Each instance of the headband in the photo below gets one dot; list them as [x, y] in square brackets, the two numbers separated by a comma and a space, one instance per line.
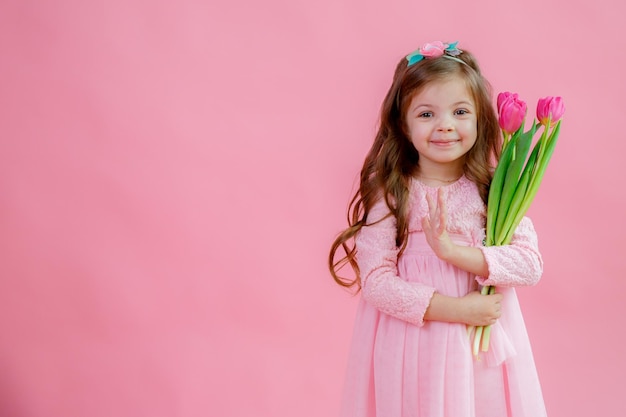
[435, 50]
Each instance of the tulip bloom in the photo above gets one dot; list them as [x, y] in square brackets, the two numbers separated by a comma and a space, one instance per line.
[511, 112]
[550, 110]
[502, 97]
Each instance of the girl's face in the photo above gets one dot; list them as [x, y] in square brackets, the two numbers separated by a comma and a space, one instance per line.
[442, 124]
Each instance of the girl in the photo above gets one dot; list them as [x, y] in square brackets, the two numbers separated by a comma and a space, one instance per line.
[418, 221]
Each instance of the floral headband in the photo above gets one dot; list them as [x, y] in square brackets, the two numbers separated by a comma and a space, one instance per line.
[435, 50]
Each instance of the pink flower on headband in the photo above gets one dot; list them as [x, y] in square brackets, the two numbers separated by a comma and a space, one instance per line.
[433, 49]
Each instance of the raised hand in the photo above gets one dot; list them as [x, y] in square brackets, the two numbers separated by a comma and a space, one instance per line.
[434, 226]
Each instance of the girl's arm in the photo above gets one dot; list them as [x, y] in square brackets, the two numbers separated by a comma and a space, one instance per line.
[473, 309]
[516, 264]
[377, 257]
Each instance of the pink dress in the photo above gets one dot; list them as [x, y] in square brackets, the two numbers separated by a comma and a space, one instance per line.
[402, 366]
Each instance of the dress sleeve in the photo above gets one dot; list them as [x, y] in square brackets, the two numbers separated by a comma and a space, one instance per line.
[516, 264]
[377, 258]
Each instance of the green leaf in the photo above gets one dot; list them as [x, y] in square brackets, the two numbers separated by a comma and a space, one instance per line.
[521, 147]
[495, 191]
[509, 225]
[540, 168]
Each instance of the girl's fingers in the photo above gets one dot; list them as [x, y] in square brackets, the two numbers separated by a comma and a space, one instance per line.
[440, 197]
[431, 206]
[441, 206]
[425, 224]
[437, 212]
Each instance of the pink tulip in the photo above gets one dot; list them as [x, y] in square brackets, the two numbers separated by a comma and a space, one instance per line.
[511, 112]
[503, 97]
[550, 110]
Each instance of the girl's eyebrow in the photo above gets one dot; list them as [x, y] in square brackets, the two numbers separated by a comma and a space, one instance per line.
[465, 102]
[420, 105]
[458, 103]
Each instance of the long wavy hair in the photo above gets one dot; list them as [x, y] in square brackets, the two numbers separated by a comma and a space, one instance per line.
[392, 160]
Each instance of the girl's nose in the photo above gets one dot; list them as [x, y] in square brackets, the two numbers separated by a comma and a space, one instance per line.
[445, 125]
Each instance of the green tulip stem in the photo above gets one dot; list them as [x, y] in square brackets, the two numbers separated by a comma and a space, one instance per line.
[543, 139]
[506, 137]
[470, 329]
[477, 336]
[482, 332]
[542, 146]
[486, 338]
[487, 329]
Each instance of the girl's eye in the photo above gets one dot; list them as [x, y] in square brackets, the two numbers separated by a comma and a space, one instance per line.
[461, 112]
[425, 114]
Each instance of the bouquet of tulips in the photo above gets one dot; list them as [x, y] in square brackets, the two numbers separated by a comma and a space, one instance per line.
[517, 176]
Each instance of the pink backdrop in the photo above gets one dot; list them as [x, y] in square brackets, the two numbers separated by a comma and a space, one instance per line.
[172, 174]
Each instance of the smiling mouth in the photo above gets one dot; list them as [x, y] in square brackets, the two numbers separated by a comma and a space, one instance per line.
[444, 142]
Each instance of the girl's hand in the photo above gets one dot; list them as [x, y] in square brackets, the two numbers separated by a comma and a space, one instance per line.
[434, 226]
[481, 310]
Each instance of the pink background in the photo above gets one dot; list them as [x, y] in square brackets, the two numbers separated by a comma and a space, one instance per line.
[173, 173]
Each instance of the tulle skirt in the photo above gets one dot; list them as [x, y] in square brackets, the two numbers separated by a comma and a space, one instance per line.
[397, 369]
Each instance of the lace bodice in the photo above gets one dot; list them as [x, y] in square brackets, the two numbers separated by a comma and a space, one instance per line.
[517, 264]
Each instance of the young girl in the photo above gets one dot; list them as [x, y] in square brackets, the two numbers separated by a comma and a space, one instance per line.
[418, 222]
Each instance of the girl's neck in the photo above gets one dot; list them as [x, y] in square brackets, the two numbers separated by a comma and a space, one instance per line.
[436, 177]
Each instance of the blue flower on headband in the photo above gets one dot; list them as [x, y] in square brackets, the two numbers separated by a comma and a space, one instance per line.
[433, 50]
